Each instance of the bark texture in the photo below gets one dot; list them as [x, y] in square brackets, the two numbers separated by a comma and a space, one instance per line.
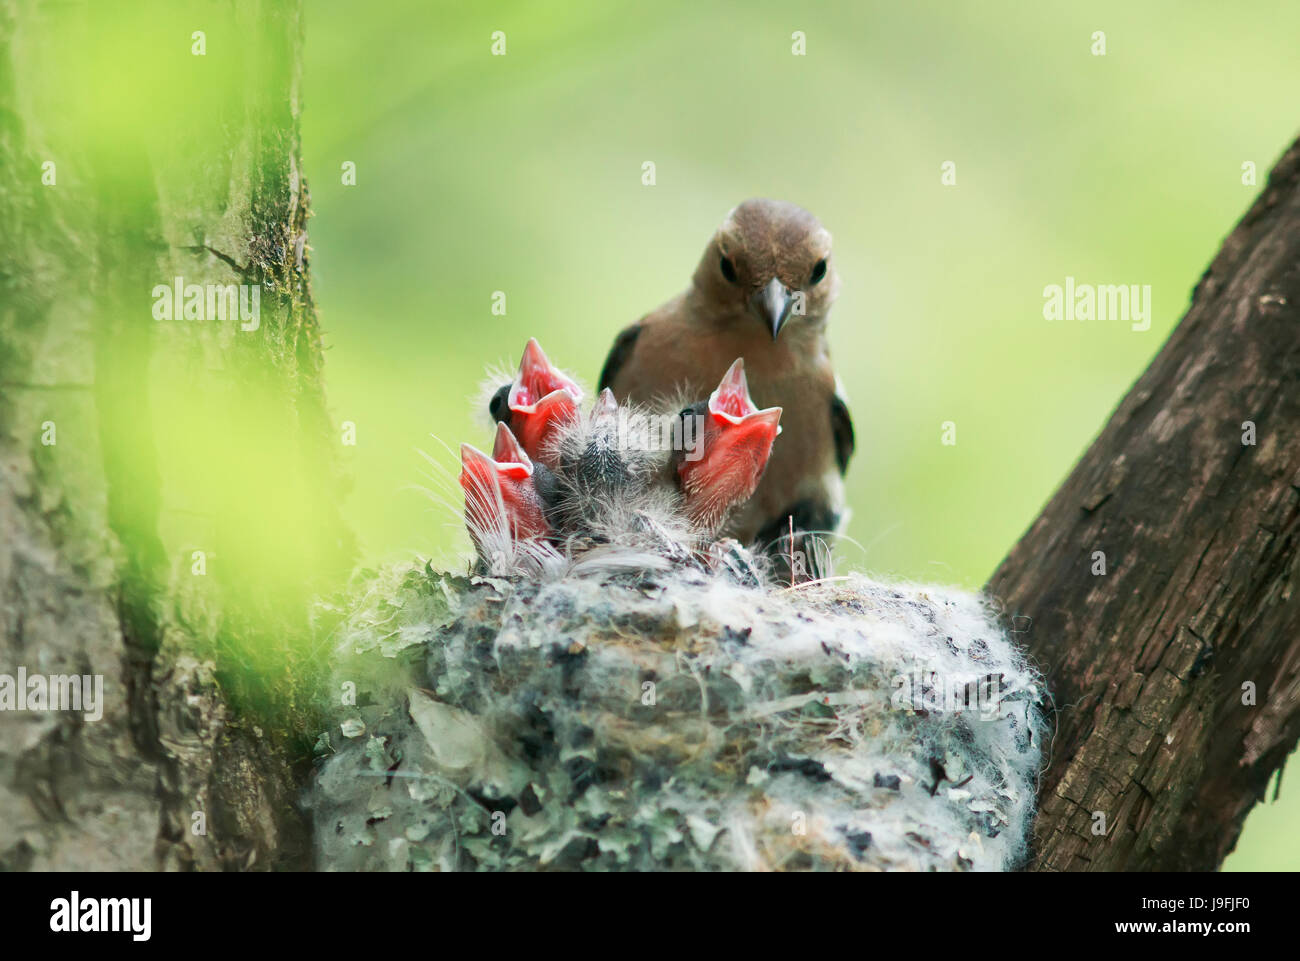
[1176, 674]
[118, 432]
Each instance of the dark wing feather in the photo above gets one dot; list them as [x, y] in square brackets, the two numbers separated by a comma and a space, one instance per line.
[618, 355]
[842, 430]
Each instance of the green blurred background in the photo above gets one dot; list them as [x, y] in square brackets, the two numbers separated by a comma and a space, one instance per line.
[522, 173]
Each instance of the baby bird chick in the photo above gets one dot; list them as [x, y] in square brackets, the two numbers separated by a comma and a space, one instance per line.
[537, 401]
[606, 476]
[503, 506]
[737, 443]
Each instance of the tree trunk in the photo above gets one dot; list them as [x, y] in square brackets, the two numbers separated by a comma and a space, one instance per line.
[166, 485]
[1175, 673]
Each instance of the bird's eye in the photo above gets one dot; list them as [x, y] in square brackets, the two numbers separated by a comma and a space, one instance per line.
[728, 270]
[819, 271]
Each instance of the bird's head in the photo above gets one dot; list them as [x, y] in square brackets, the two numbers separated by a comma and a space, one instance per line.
[600, 457]
[736, 444]
[539, 400]
[501, 501]
[769, 262]
[606, 486]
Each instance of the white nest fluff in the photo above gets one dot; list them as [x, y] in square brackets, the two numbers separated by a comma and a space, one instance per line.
[680, 719]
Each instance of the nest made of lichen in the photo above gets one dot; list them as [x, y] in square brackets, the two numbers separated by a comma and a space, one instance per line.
[674, 720]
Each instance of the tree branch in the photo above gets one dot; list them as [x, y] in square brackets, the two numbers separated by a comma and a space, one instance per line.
[1152, 664]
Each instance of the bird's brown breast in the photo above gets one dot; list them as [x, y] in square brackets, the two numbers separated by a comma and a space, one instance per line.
[793, 372]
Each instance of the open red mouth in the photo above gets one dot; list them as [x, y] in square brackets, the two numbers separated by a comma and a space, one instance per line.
[499, 492]
[509, 454]
[731, 400]
[536, 379]
[730, 403]
[541, 399]
[737, 445]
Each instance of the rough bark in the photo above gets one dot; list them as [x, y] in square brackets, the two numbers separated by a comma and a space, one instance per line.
[167, 164]
[1151, 663]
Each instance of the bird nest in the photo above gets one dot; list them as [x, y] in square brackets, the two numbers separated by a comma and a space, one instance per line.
[682, 719]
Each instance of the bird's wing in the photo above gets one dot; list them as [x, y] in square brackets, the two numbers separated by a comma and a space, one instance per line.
[619, 355]
[842, 431]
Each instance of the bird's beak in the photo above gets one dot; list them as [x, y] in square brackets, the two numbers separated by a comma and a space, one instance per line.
[536, 378]
[540, 398]
[773, 305]
[606, 404]
[736, 450]
[537, 425]
[499, 497]
[731, 401]
[506, 450]
[488, 471]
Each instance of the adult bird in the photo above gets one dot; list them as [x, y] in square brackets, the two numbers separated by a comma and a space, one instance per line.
[762, 292]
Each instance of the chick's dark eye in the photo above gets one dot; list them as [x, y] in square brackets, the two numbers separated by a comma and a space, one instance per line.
[819, 271]
[728, 270]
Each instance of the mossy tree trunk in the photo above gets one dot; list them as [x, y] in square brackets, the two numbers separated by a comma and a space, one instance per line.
[167, 489]
[1176, 673]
